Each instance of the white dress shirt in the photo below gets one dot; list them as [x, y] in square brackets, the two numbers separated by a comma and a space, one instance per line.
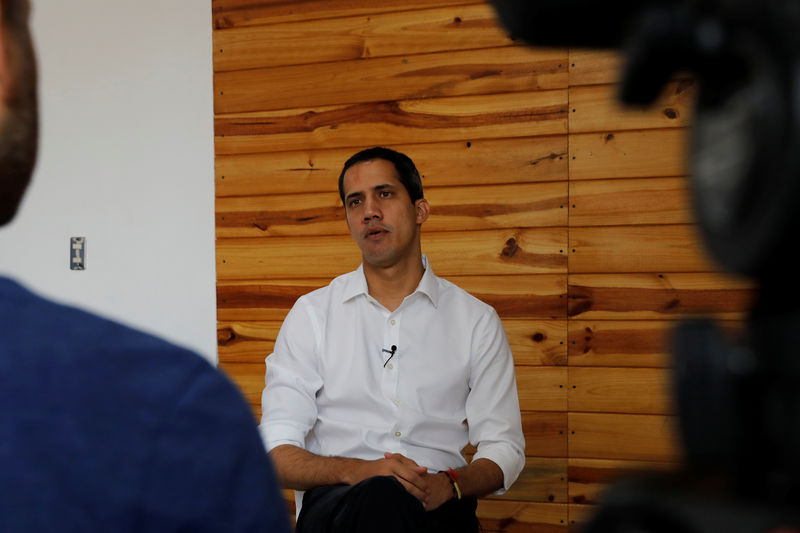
[333, 389]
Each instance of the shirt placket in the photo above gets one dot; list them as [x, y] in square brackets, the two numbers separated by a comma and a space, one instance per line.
[391, 368]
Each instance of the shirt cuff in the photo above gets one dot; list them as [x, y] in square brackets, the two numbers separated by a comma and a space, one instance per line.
[504, 455]
[274, 435]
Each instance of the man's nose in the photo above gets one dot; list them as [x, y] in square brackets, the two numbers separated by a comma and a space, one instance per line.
[371, 210]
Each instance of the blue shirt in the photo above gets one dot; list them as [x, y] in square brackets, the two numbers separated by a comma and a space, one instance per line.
[104, 428]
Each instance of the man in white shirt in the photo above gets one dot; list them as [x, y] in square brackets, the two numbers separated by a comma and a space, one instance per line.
[379, 380]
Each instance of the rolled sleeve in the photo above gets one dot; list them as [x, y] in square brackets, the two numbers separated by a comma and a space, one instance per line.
[292, 380]
[493, 414]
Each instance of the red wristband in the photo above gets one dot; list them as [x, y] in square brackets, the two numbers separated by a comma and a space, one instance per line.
[453, 477]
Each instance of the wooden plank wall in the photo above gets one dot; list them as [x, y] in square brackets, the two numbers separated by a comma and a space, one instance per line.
[564, 211]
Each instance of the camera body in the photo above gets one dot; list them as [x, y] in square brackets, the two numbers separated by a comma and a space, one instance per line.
[738, 403]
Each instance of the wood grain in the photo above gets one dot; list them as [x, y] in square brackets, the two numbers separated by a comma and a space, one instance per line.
[658, 296]
[542, 480]
[590, 478]
[535, 296]
[598, 108]
[393, 122]
[628, 343]
[656, 248]
[594, 67]
[542, 388]
[458, 73]
[623, 436]
[537, 342]
[452, 209]
[533, 342]
[471, 162]
[617, 202]
[545, 435]
[522, 517]
[620, 390]
[239, 13]
[261, 300]
[359, 37]
[523, 251]
[628, 154]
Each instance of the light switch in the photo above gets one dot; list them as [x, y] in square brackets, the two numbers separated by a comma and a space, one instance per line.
[77, 253]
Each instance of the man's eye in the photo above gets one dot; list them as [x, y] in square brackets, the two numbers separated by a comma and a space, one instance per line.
[354, 202]
[386, 194]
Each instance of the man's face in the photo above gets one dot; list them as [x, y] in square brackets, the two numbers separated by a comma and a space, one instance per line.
[18, 105]
[382, 219]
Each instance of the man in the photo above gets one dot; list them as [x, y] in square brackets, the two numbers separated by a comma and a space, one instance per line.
[103, 428]
[380, 379]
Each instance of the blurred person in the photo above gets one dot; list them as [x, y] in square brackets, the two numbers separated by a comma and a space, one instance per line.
[380, 379]
[104, 428]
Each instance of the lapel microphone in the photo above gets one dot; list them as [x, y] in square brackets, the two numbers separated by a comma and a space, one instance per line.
[391, 354]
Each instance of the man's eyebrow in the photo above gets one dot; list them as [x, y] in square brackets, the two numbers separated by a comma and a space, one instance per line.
[353, 195]
[381, 187]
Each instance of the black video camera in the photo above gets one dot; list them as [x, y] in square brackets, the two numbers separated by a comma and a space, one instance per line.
[738, 403]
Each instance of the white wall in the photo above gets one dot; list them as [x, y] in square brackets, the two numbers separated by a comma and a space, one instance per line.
[126, 160]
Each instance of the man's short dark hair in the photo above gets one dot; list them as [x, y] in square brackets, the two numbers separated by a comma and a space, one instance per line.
[406, 171]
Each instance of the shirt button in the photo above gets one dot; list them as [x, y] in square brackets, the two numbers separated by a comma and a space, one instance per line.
[392, 322]
[391, 366]
[397, 434]
[396, 401]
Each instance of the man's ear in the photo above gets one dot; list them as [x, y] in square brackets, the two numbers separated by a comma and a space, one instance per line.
[423, 209]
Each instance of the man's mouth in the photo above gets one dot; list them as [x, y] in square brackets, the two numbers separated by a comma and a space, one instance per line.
[375, 233]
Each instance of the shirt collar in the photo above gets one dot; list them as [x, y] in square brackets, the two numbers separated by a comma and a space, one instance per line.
[357, 284]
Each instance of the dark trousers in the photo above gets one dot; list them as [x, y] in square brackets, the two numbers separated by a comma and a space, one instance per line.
[381, 505]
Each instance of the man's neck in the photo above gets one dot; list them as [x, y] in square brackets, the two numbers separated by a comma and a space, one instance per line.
[390, 285]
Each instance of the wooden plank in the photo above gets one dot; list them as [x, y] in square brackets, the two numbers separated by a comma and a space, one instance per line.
[536, 296]
[537, 342]
[598, 108]
[629, 154]
[452, 209]
[475, 162]
[640, 343]
[458, 73]
[263, 300]
[394, 122]
[542, 480]
[630, 202]
[522, 517]
[661, 296]
[246, 342]
[673, 248]
[523, 251]
[542, 388]
[590, 478]
[545, 435]
[579, 515]
[623, 436]
[240, 13]
[593, 67]
[627, 343]
[249, 378]
[620, 390]
[359, 37]
[522, 296]
[539, 388]
[533, 342]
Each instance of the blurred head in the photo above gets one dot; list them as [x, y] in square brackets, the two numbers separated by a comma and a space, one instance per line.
[18, 105]
[406, 171]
